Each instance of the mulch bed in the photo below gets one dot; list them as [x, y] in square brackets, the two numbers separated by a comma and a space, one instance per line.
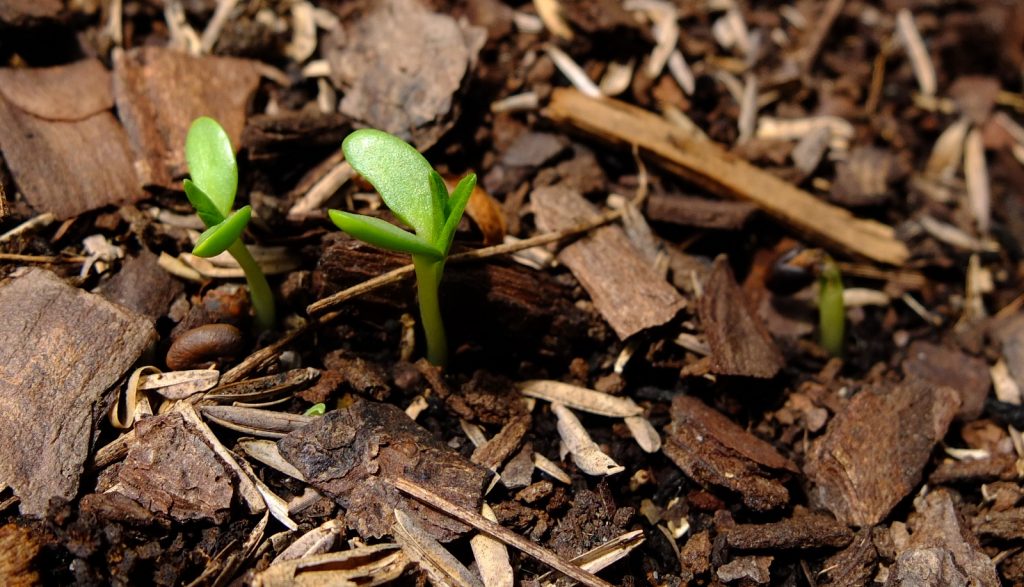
[636, 394]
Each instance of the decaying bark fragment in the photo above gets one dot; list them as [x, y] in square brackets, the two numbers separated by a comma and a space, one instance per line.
[159, 92]
[874, 451]
[61, 349]
[713, 450]
[353, 453]
[64, 147]
[624, 287]
[171, 470]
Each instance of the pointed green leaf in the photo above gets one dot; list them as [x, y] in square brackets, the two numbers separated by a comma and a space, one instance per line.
[439, 191]
[211, 162]
[204, 206]
[400, 174]
[216, 239]
[382, 234]
[457, 205]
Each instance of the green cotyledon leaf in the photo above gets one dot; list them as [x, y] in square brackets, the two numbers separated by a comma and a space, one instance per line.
[216, 239]
[211, 162]
[457, 205]
[383, 234]
[204, 206]
[402, 177]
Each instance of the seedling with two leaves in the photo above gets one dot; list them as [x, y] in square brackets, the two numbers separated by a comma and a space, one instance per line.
[211, 191]
[418, 197]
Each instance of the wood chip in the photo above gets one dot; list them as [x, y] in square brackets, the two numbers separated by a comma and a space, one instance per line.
[941, 365]
[627, 291]
[317, 541]
[572, 71]
[713, 450]
[739, 341]
[350, 455]
[143, 286]
[711, 168]
[401, 87]
[804, 530]
[585, 452]
[493, 453]
[443, 569]
[699, 212]
[873, 452]
[19, 547]
[920, 61]
[979, 192]
[266, 452]
[53, 380]
[159, 92]
[171, 470]
[65, 149]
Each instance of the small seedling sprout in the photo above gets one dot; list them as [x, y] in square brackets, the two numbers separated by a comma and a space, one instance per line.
[418, 197]
[316, 410]
[831, 310]
[211, 191]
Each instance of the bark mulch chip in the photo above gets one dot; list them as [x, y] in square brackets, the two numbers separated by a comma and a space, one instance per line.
[65, 149]
[713, 450]
[873, 452]
[61, 349]
[351, 453]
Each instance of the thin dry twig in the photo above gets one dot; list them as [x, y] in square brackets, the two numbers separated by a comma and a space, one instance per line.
[499, 532]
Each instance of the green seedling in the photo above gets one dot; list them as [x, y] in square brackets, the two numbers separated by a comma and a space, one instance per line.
[211, 191]
[831, 310]
[316, 410]
[417, 195]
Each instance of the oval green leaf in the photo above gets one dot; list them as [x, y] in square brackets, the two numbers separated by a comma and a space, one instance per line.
[216, 239]
[382, 234]
[456, 206]
[400, 174]
[211, 162]
[203, 205]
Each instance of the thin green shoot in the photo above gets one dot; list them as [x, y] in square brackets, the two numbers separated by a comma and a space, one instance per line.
[418, 197]
[211, 191]
[831, 310]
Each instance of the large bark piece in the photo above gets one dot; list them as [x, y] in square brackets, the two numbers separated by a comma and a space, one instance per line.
[625, 289]
[65, 149]
[713, 450]
[874, 451]
[711, 167]
[351, 455]
[60, 350]
[159, 92]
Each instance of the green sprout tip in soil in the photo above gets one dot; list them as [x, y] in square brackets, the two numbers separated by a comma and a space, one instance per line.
[417, 195]
[316, 410]
[211, 191]
[831, 311]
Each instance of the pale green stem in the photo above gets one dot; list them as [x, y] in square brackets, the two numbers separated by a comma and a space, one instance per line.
[428, 279]
[831, 310]
[259, 289]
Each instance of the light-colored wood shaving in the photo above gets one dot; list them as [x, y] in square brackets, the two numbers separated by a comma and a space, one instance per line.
[604, 555]
[220, 17]
[416, 407]
[492, 556]
[1005, 386]
[953, 236]
[277, 506]
[441, 566]
[527, 23]
[841, 130]
[365, 566]
[266, 452]
[920, 61]
[317, 541]
[550, 13]
[317, 196]
[644, 433]
[681, 72]
[580, 398]
[473, 432]
[585, 452]
[617, 78]
[178, 385]
[572, 71]
[546, 465]
[979, 193]
[303, 41]
[947, 153]
[748, 109]
[317, 68]
[858, 297]
[524, 102]
[132, 400]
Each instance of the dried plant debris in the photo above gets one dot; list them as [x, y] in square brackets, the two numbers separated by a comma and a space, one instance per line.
[737, 338]
[172, 471]
[65, 149]
[627, 291]
[699, 212]
[18, 550]
[713, 450]
[873, 452]
[61, 349]
[440, 566]
[159, 92]
[804, 530]
[755, 569]
[386, 64]
[941, 549]
[350, 455]
[854, 565]
[366, 566]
